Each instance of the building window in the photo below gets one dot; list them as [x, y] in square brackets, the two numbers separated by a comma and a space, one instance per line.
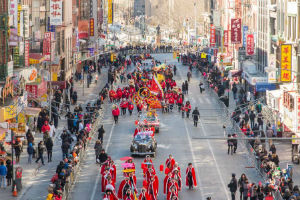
[63, 41]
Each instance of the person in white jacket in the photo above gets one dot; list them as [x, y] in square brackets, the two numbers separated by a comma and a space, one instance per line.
[52, 130]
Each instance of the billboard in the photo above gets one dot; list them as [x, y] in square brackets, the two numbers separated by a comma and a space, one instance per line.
[56, 12]
[236, 31]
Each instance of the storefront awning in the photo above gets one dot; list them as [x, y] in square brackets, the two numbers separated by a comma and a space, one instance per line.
[32, 111]
[262, 87]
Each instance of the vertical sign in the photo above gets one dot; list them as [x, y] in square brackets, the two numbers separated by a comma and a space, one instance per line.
[225, 38]
[272, 64]
[286, 63]
[212, 36]
[13, 12]
[250, 44]
[19, 19]
[47, 46]
[298, 114]
[56, 12]
[110, 12]
[27, 47]
[236, 31]
[92, 29]
[26, 20]
[245, 31]
[216, 53]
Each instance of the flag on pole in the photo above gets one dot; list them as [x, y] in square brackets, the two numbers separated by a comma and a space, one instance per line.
[155, 86]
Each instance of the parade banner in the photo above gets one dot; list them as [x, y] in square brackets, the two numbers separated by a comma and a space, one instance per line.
[245, 32]
[212, 36]
[236, 31]
[250, 44]
[225, 38]
[92, 32]
[286, 63]
[110, 12]
[47, 46]
[56, 12]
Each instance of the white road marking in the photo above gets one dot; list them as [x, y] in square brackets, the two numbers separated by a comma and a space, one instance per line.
[98, 175]
[194, 159]
[163, 146]
[213, 155]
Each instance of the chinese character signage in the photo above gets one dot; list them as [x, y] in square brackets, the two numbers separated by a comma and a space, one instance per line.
[212, 36]
[236, 31]
[47, 46]
[110, 12]
[250, 44]
[19, 19]
[245, 31]
[27, 47]
[26, 20]
[272, 74]
[92, 33]
[56, 12]
[225, 38]
[286, 63]
[83, 29]
[298, 114]
[13, 12]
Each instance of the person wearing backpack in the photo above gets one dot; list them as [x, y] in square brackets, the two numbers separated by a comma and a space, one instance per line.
[232, 186]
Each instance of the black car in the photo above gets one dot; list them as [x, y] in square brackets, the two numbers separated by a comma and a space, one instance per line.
[143, 145]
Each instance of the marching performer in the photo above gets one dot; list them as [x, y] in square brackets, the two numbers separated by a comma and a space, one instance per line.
[144, 195]
[104, 180]
[152, 188]
[109, 194]
[167, 180]
[170, 162]
[190, 179]
[124, 186]
[177, 177]
[173, 194]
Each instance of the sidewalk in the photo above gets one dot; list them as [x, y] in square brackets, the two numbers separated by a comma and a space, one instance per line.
[36, 177]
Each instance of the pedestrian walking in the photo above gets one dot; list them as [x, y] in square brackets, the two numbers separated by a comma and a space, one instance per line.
[97, 148]
[103, 157]
[101, 132]
[116, 113]
[201, 86]
[230, 144]
[52, 130]
[41, 149]
[49, 147]
[9, 174]
[65, 149]
[183, 88]
[3, 173]
[18, 149]
[190, 176]
[232, 186]
[252, 118]
[241, 183]
[196, 116]
[186, 87]
[30, 151]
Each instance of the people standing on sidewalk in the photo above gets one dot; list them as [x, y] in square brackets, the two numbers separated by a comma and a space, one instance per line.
[101, 132]
[52, 129]
[234, 91]
[241, 183]
[252, 118]
[30, 151]
[230, 144]
[18, 149]
[196, 116]
[41, 149]
[97, 148]
[9, 174]
[3, 173]
[49, 147]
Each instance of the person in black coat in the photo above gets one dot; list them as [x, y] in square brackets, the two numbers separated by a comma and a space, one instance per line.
[233, 186]
[196, 116]
[103, 156]
[9, 174]
[49, 147]
[101, 131]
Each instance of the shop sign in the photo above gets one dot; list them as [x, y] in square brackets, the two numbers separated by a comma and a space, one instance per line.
[19, 19]
[58, 85]
[286, 63]
[245, 31]
[9, 112]
[22, 102]
[36, 90]
[7, 89]
[236, 30]
[27, 48]
[272, 74]
[92, 28]
[13, 11]
[250, 45]
[83, 29]
[10, 68]
[225, 38]
[26, 20]
[56, 12]
[47, 46]
[110, 12]
[212, 36]
[298, 114]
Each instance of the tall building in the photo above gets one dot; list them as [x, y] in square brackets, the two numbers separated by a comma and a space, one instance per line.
[139, 8]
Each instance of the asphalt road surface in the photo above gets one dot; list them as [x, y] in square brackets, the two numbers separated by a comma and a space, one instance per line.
[177, 137]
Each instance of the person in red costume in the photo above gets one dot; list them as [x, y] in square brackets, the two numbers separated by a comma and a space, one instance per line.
[171, 102]
[149, 173]
[176, 166]
[144, 195]
[116, 113]
[173, 194]
[190, 179]
[128, 195]
[45, 127]
[167, 180]
[176, 175]
[104, 180]
[109, 183]
[119, 93]
[179, 102]
[124, 106]
[124, 186]
[113, 171]
[170, 162]
[109, 195]
[130, 108]
[152, 187]
[188, 108]
[112, 95]
[148, 159]
[171, 184]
